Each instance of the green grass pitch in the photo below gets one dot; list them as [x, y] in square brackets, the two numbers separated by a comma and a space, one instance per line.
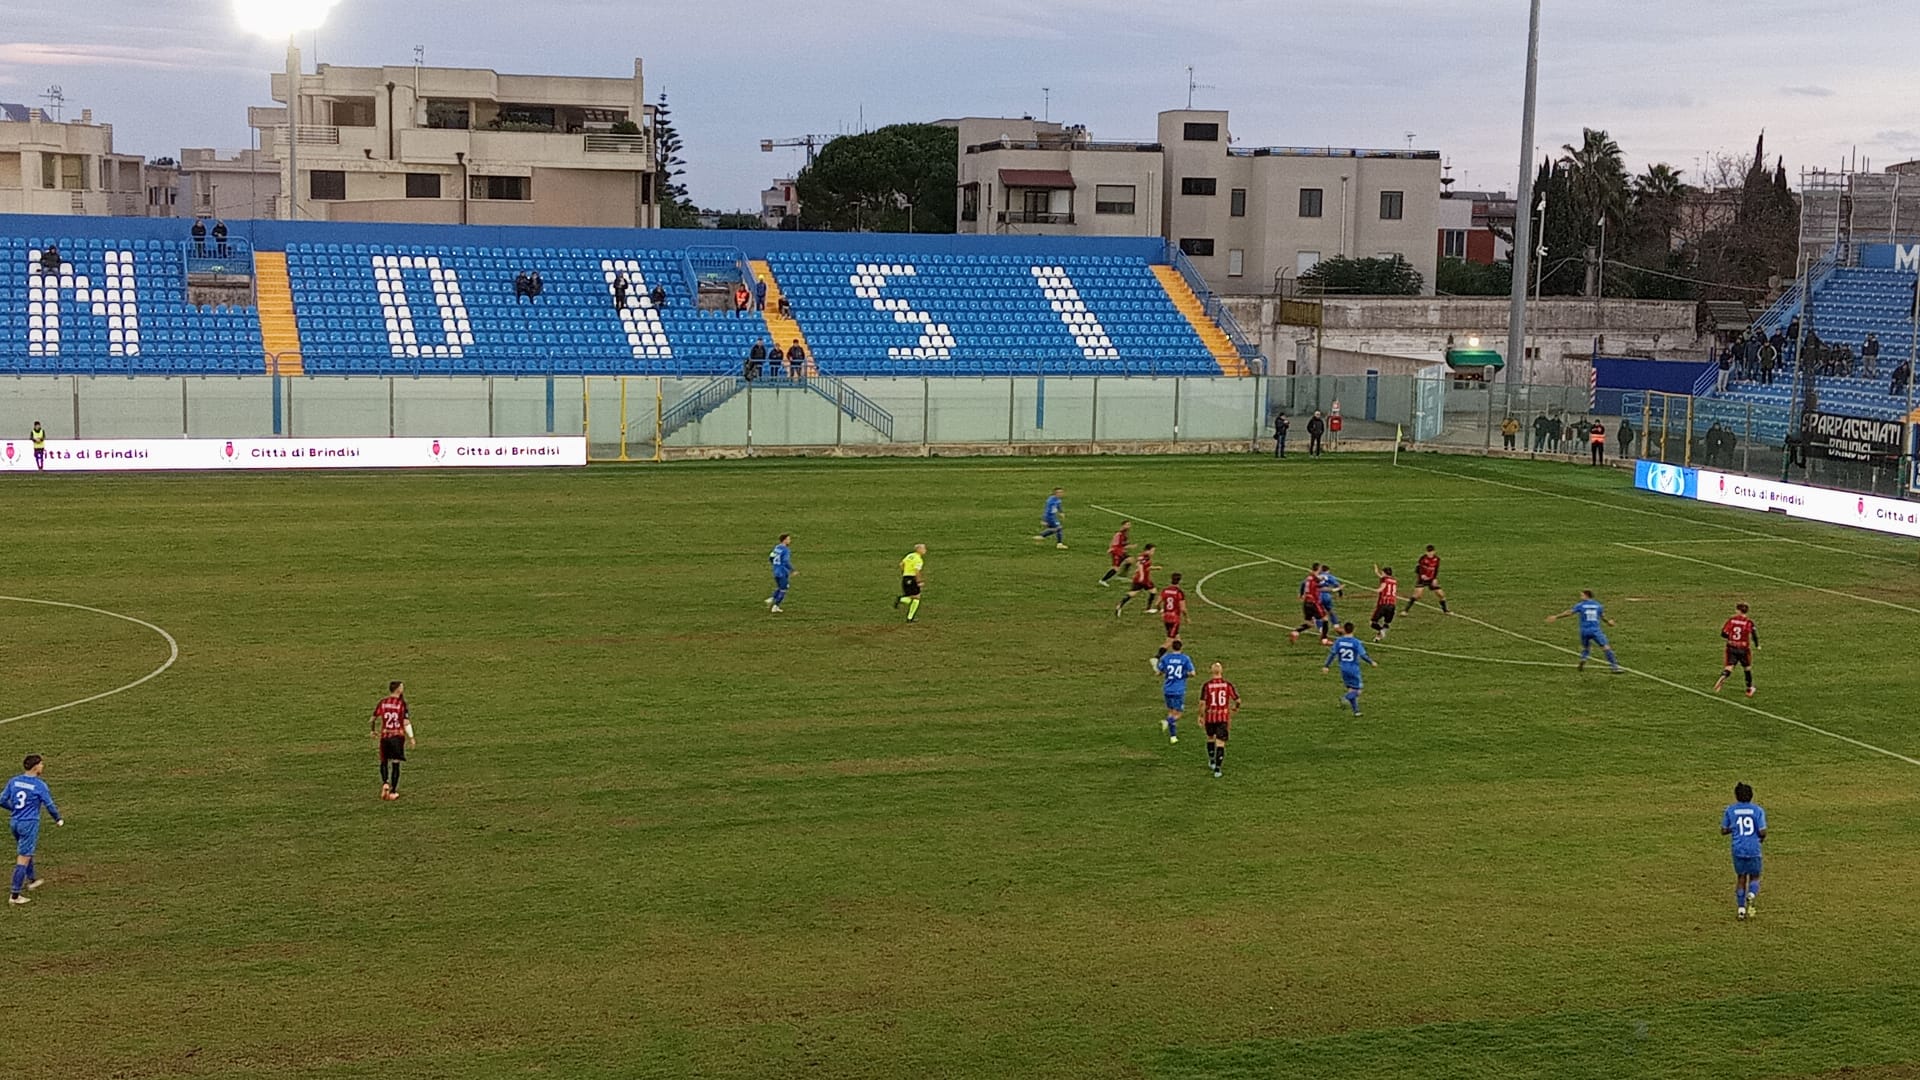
[652, 830]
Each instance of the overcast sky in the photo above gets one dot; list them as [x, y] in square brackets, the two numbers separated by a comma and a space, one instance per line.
[1672, 80]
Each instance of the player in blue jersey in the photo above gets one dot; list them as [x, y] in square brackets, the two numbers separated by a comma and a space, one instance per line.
[1592, 616]
[1175, 668]
[1330, 588]
[1350, 654]
[1053, 519]
[25, 795]
[1747, 824]
[781, 559]
[1313, 614]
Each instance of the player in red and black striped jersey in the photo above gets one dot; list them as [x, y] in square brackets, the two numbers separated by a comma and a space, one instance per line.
[1742, 638]
[393, 730]
[1384, 602]
[1117, 552]
[1173, 611]
[1142, 580]
[1312, 611]
[1221, 701]
[1426, 575]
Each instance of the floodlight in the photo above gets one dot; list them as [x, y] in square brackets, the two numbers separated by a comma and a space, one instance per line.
[280, 19]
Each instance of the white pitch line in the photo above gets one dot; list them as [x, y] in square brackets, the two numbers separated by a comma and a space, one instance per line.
[1200, 590]
[1645, 511]
[173, 654]
[1737, 703]
[1728, 540]
[1768, 577]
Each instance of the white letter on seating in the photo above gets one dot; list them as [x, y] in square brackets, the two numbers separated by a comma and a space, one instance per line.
[936, 340]
[117, 303]
[1906, 257]
[455, 328]
[646, 334]
[1084, 325]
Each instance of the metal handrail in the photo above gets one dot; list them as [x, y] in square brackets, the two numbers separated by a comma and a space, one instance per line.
[699, 403]
[1211, 304]
[852, 402]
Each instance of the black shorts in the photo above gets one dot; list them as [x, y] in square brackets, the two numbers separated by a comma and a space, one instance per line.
[1216, 729]
[1141, 586]
[909, 586]
[393, 748]
[1739, 657]
[1383, 615]
[1427, 583]
[1312, 612]
[1173, 628]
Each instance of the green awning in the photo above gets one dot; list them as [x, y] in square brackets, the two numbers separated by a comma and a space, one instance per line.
[1482, 358]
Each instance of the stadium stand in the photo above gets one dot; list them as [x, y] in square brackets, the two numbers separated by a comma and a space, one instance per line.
[1849, 302]
[349, 299]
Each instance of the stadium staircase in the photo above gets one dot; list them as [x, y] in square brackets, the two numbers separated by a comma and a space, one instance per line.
[1188, 304]
[279, 330]
[710, 396]
[784, 331]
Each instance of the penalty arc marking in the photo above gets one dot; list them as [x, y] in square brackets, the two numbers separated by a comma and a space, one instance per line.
[173, 655]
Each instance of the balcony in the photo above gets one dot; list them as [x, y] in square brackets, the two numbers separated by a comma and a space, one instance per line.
[601, 142]
[590, 150]
[1034, 217]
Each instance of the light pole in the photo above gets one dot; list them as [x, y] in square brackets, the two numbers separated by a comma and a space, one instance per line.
[1523, 225]
[277, 20]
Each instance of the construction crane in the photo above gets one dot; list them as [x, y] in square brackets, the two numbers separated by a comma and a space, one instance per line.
[811, 142]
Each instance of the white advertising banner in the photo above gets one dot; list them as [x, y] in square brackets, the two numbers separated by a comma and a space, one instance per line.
[214, 455]
[1814, 504]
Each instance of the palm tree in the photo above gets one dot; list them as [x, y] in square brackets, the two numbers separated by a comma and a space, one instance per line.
[1660, 184]
[1596, 176]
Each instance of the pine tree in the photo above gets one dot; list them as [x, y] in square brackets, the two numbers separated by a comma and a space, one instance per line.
[676, 209]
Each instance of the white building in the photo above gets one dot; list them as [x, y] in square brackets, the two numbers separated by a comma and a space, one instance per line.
[466, 145]
[779, 204]
[64, 168]
[1248, 217]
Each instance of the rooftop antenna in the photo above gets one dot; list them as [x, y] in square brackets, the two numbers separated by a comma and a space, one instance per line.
[55, 99]
[1192, 86]
[1046, 107]
[1410, 137]
[419, 55]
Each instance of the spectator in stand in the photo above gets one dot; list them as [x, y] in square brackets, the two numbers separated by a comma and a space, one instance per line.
[1509, 429]
[1793, 329]
[1769, 360]
[1280, 426]
[1712, 444]
[522, 287]
[535, 286]
[797, 355]
[1902, 375]
[741, 298]
[758, 352]
[1316, 430]
[620, 291]
[786, 309]
[50, 259]
[1846, 360]
[1573, 433]
[1597, 441]
[1870, 356]
[759, 295]
[1626, 448]
[199, 234]
[658, 296]
[1726, 371]
[1539, 433]
[219, 237]
[777, 356]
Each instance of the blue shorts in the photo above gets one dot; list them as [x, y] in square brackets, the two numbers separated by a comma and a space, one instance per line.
[1351, 680]
[1746, 865]
[779, 581]
[1588, 640]
[1177, 700]
[27, 838]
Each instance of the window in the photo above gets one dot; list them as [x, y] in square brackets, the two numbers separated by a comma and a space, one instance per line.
[1305, 261]
[1199, 248]
[1236, 262]
[423, 185]
[969, 203]
[455, 115]
[1113, 198]
[64, 172]
[1199, 185]
[511, 188]
[1311, 200]
[1202, 133]
[353, 112]
[326, 184]
[1453, 243]
[1237, 202]
[1393, 205]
